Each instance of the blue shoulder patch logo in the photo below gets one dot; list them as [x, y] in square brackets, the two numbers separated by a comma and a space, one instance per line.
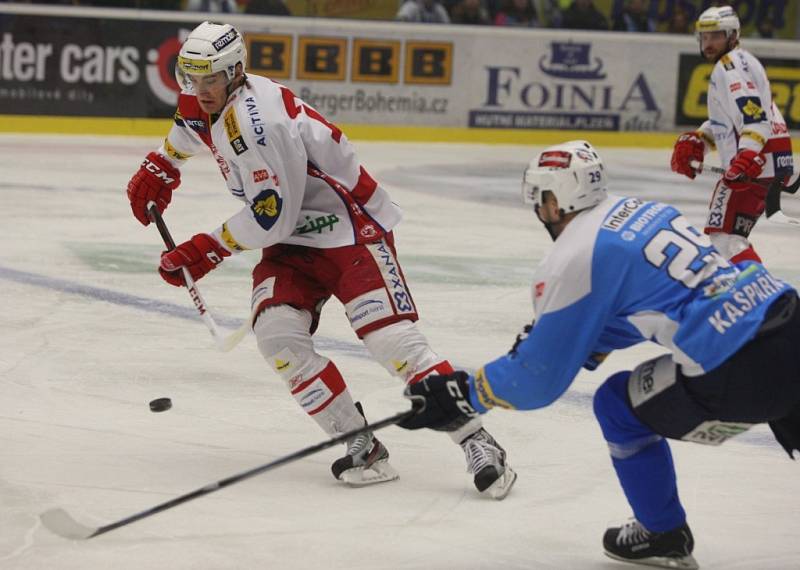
[751, 109]
[266, 208]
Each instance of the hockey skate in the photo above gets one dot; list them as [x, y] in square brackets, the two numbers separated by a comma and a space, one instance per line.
[631, 542]
[487, 461]
[365, 462]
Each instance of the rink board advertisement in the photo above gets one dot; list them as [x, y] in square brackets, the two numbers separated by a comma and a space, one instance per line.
[120, 63]
[88, 66]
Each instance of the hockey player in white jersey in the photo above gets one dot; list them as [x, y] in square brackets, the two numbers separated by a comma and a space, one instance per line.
[621, 272]
[324, 227]
[745, 126]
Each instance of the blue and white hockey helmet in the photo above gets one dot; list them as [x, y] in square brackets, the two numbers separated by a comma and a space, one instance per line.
[210, 48]
[572, 171]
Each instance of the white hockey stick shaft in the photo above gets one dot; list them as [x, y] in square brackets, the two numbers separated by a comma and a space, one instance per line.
[223, 342]
[700, 167]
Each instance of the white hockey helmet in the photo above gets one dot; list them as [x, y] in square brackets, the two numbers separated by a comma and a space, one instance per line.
[720, 19]
[572, 171]
[209, 49]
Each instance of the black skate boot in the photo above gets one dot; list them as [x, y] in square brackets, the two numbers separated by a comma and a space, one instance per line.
[631, 542]
[487, 461]
[365, 462]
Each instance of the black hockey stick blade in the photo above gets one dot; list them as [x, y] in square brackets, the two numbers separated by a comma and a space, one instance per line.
[60, 522]
[792, 188]
[773, 205]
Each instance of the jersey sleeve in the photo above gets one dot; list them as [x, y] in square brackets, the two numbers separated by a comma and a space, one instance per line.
[328, 148]
[565, 335]
[181, 142]
[707, 135]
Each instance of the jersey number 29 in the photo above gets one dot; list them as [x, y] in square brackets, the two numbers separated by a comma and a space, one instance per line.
[679, 248]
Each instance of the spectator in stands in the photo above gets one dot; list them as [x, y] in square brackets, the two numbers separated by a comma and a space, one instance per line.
[633, 18]
[583, 15]
[519, 13]
[471, 12]
[679, 22]
[424, 11]
[765, 28]
[267, 7]
[551, 12]
[222, 6]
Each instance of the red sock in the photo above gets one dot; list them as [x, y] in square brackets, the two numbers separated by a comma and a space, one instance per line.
[442, 367]
[316, 393]
[748, 254]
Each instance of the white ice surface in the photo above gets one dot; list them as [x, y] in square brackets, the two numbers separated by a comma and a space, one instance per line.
[90, 334]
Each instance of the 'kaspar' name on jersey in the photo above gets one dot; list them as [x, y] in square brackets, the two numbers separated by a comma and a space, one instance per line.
[749, 296]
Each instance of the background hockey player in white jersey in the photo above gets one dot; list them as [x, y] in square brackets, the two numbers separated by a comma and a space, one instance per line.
[621, 272]
[325, 229]
[745, 126]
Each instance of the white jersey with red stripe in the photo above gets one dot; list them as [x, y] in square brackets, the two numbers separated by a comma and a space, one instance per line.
[742, 114]
[297, 174]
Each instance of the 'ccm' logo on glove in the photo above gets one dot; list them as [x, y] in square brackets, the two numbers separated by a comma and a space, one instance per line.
[159, 172]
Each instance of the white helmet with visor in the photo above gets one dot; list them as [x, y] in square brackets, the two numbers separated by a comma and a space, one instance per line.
[209, 49]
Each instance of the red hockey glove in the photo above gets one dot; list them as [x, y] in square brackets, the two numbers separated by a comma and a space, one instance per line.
[688, 148]
[153, 182]
[745, 167]
[199, 255]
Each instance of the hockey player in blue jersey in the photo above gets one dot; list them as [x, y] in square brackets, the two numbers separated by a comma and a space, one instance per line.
[621, 272]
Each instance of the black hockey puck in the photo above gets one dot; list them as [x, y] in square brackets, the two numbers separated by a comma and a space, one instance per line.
[160, 405]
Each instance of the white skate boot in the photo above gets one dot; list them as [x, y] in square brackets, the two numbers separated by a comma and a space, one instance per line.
[487, 461]
[366, 461]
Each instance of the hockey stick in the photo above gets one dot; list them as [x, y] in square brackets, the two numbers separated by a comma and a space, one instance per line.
[224, 343]
[773, 199]
[61, 522]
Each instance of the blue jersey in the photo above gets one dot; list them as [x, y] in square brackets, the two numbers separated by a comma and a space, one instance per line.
[621, 273]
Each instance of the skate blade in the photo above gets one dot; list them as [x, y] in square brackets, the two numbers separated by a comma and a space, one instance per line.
[378, 472]
[502, 487]
[682, 563]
